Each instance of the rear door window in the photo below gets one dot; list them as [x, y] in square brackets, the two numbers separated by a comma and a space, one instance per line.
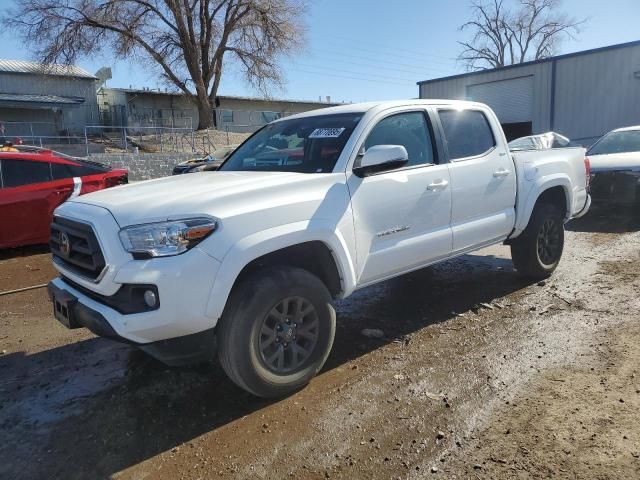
[67, 170]
[16, 173]
[467, 133]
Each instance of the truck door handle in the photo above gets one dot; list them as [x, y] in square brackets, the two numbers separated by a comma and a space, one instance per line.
[503, 172]
[438, 185]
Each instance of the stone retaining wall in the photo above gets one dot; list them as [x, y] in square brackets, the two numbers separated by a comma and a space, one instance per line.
[143, 166]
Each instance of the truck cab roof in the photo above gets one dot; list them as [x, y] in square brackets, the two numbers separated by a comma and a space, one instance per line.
[374, 107]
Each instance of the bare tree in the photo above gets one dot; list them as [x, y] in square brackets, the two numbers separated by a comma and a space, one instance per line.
[502, 36]
[191, 41]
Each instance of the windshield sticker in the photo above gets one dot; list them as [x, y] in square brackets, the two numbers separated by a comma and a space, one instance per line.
[326, 133]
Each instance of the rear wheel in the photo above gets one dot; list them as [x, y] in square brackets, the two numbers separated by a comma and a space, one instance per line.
[276, 331]
[537, 251]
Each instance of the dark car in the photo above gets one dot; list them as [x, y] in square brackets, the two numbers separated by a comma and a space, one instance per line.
[207, 163]
[34, 181]
[615, 167]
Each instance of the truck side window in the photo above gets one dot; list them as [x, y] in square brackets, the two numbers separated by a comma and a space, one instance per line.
[16, 173]
[409, 130]
[467, 133]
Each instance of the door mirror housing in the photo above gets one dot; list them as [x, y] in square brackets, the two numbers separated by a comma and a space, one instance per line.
[381, 158]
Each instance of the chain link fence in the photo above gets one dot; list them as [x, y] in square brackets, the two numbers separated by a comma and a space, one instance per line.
[115, 130]
[146, 139]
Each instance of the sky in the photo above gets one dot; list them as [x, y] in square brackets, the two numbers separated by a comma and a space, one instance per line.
[362, 50]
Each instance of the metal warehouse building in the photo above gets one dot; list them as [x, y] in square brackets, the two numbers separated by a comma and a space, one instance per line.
[45, 100]
[580, 95]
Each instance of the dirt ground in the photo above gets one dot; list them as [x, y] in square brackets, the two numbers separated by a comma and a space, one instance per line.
[480, 374]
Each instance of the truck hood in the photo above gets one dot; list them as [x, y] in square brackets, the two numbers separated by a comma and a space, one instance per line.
[615, 161]
[212, 193]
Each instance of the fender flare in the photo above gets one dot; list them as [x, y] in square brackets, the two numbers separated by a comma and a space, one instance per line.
[264, 242]
[537, 188]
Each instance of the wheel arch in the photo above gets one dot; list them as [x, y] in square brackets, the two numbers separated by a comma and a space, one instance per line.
[557, 196]
[321, 252]
[313, 256]
[556, 191]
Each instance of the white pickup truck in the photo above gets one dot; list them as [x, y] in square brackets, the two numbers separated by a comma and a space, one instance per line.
[310, 208]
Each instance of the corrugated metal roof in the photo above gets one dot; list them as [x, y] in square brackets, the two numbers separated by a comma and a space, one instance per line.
[278, 100]
[24, 98]
[23, 66]
[139, 91]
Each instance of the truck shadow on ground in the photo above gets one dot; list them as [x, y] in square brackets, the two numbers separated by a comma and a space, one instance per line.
[94, 408]
[10, 253]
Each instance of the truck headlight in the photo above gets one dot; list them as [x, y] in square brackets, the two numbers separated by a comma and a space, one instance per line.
[166, 238]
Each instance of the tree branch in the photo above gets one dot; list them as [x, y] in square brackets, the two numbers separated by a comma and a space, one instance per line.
[503, 37]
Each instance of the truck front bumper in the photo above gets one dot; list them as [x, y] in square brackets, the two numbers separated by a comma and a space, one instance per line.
[72, 308]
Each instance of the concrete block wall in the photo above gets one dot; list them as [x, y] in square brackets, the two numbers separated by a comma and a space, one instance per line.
[75, 150]
[143, 166]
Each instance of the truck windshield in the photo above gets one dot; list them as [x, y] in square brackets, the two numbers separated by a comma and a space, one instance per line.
[617, 142]
[305, 145]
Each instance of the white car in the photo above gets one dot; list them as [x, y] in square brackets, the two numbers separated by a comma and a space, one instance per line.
[615, 167]
[310, 208]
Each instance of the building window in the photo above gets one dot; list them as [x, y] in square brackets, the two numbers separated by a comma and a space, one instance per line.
[268, 117]
[227, 116]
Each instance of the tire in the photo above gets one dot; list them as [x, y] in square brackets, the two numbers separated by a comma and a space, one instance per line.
[276, 331]
[537, 251]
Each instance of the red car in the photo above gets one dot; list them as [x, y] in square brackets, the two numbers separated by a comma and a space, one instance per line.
[33, 182]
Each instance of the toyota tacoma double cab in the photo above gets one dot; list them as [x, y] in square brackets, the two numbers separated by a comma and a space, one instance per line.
[246, 261]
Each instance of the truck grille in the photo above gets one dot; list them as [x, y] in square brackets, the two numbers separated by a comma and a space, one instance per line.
[75, 246]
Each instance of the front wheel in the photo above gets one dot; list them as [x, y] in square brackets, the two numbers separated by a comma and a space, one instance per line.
[276, 331]
[537, 251]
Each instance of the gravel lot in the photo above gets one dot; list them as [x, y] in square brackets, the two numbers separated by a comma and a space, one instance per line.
[479, 374]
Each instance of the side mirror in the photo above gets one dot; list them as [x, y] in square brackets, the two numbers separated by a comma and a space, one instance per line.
[381, 158]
